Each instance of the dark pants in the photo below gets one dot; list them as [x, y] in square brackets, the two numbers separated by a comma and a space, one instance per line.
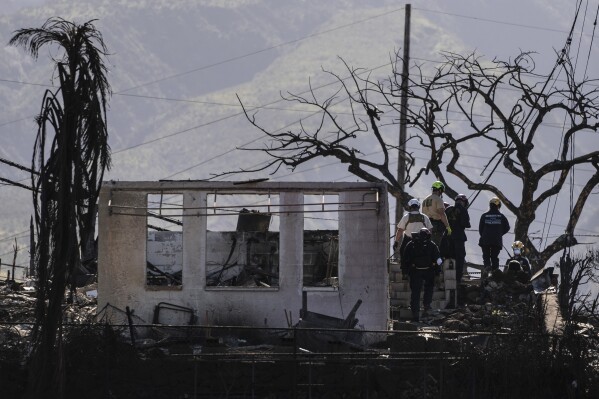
[438, 231]
[459, 253]
[418, 278]
[404, 242]
[491, 256]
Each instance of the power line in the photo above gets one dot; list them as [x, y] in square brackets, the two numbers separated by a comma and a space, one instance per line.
[566, 52]
[265, 106]
[235, 114]
[17, 120]
[233, 105]
[249, 142]
[177, 133]
[329, 31]
[592, 40]
[11, 252]
[495, 21]
[21, 234]
[549, 78]
[262, 50]
[218, 63]
[26, 83]
[257, 52]
[238, 57]
[211, 103]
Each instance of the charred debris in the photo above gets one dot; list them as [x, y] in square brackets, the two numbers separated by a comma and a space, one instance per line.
[505, 304]
[495, 333]
[505, 318]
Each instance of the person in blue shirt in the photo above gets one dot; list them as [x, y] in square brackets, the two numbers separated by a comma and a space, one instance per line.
[492, 227]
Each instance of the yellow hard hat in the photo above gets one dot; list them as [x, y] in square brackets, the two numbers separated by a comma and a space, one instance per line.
[438, 185]
[518, 245]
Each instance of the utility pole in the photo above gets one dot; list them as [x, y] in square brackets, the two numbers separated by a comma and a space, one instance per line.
[401, 162]
[31, 249]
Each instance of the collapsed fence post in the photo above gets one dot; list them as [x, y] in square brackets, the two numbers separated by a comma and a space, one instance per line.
[131, 328]
[195, 377]
[295, 379]
[442, 363]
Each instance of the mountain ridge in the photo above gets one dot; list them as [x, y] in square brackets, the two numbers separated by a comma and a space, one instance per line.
[176, 69]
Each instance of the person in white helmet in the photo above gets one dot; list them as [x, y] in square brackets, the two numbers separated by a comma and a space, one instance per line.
[412, 221]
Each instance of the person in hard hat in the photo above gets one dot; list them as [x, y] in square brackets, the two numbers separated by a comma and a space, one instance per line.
[433, 207]
[492, 226]
[518, 262]
[459, 221]
[412, 221]
[422, 263]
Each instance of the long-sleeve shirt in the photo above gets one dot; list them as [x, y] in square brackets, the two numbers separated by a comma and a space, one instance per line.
[459, 221]
[492, 226]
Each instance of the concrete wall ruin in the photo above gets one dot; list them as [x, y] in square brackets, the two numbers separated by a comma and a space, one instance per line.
[363, 241]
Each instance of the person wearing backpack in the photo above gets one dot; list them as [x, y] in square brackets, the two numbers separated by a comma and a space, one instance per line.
[422, 263]
[411, 221]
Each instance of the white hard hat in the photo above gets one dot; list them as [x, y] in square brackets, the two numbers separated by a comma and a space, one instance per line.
[414, 202]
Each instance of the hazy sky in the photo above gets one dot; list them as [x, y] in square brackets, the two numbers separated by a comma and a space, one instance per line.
[491, 27]
[10, 6]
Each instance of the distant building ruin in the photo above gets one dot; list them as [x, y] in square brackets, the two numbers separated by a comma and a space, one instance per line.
[244, 253]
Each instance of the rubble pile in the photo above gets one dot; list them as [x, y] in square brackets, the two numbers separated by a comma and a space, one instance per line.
[17, 314]
[16, 322]
[505, 301]
[82, 308]
[16, 306]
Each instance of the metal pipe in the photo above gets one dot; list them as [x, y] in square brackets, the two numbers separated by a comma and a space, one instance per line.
[237, 213]
[246, 206]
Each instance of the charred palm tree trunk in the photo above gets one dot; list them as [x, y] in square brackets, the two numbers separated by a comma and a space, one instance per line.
[71, 163]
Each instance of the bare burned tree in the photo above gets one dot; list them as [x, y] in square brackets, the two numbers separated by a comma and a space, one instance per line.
[577, 274]
[516, 121]
[335, 137]
[504, 107]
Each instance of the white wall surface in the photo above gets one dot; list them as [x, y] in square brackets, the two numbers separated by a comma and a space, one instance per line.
[363, 248]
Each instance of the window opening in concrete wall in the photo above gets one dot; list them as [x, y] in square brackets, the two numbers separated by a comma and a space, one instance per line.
[164, 244]
[242, 240]
[321, 240]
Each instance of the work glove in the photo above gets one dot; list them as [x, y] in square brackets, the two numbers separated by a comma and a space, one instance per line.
[448, 230]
